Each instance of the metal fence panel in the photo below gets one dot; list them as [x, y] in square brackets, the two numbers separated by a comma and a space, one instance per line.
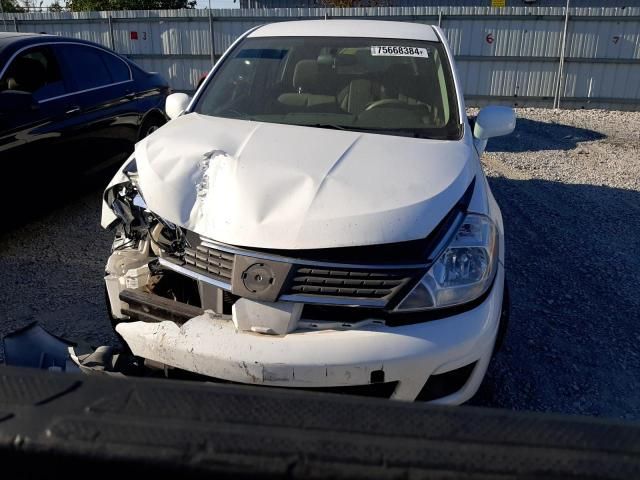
[482, 78]
[606, 39]
[509, 3]
[185, 75]
[602, 81]
[225, 33]
[512, 55]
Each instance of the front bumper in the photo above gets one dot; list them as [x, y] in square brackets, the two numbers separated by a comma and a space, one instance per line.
[210, 345]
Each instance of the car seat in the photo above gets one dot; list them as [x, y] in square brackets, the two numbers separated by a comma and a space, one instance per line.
[27, 75]
[307, 83]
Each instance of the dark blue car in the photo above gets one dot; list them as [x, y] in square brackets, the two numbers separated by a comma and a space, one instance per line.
[71, 105]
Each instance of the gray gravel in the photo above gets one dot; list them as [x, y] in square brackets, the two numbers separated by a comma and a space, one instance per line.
[51, 269]
[568, 183]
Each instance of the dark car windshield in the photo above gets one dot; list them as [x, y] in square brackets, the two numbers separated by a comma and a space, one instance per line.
[395, 87]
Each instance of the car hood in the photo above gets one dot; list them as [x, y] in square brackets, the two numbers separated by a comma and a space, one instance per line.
[280, 186]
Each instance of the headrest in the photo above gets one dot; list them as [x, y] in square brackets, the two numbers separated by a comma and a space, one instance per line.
[305, 75]
[28, 74]
[399, 78]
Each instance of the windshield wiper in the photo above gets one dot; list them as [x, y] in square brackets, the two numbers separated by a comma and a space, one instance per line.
[332, 126]
[329, 126]
[426, 133]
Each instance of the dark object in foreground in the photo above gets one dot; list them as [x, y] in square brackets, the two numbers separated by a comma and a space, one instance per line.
[106, 426]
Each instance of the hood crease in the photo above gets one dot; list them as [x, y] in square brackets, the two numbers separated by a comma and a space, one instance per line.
[278, 186]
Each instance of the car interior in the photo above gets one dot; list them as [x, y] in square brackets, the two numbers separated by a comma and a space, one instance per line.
[344, 86]
[35, 72]
[318, 86]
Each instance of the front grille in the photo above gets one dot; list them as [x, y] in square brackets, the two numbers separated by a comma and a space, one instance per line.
[210, 261]
[325, 283]
[371, 284]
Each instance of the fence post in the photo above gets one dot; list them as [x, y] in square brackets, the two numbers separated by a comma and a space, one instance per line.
[15, 24]
[211, 40]
[4, 20]
[111, 39]
[559, 83]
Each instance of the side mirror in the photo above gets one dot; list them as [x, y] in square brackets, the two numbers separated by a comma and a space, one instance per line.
[176, 104]
[15, 101]
[493, 122]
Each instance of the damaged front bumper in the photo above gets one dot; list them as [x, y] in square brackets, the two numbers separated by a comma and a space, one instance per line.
[403, 358]
[324, 319]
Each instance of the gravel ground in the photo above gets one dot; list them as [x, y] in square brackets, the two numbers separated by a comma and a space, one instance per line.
[568, 183]
[52, 268]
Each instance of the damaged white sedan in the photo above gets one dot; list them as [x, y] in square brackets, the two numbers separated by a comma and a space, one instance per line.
[316, 217]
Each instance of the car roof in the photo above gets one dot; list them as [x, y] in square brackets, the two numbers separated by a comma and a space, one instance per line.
[11, 41]
[348, 28]
[7, 38]
[6, 35]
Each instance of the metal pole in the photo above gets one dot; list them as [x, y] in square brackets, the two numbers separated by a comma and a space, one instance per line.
[112, 42]
[15, 23]
[556, 102]
[439, 18]
[4, 20]
[211, 41]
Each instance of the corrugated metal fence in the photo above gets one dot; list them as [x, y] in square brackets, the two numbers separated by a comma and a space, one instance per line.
[442, 3]
[583, 57]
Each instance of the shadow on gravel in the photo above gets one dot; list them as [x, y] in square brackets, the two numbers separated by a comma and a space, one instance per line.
[52, 257]
[46, 197]
[572, 263]
[533, 136]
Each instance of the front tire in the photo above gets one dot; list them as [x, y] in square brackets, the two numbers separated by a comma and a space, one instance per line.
[150, 125]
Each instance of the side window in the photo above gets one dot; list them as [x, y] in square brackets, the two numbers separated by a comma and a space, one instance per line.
[36, 71]
[118, 69]
[86, 66]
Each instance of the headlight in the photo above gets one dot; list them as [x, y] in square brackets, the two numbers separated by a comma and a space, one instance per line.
[462, 272]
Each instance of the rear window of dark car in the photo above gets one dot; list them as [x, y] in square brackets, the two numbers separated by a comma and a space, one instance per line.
[117, 67]
[92, 67]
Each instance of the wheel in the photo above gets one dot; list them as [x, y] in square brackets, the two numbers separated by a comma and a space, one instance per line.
[150, 125]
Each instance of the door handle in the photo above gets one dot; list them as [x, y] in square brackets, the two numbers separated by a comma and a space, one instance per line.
[72, 109]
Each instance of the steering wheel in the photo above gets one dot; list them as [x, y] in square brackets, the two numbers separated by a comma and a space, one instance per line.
[385, 102]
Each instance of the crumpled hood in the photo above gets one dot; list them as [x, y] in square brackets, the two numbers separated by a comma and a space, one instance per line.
[288, 187]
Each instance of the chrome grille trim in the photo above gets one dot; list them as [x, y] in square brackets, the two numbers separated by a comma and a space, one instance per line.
[209, 261]
[187, 272]
[310, 281]
[340, 301]
[301, 261]
[344, 283]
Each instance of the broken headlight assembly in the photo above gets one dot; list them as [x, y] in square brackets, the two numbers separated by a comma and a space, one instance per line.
[463, 271]
[136, 220]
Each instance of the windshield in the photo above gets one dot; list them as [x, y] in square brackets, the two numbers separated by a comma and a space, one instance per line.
[387, 86]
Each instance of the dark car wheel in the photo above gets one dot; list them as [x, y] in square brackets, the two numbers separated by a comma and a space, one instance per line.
[150, 125]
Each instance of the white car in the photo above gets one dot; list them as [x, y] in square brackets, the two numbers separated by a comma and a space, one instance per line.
[316, 217]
